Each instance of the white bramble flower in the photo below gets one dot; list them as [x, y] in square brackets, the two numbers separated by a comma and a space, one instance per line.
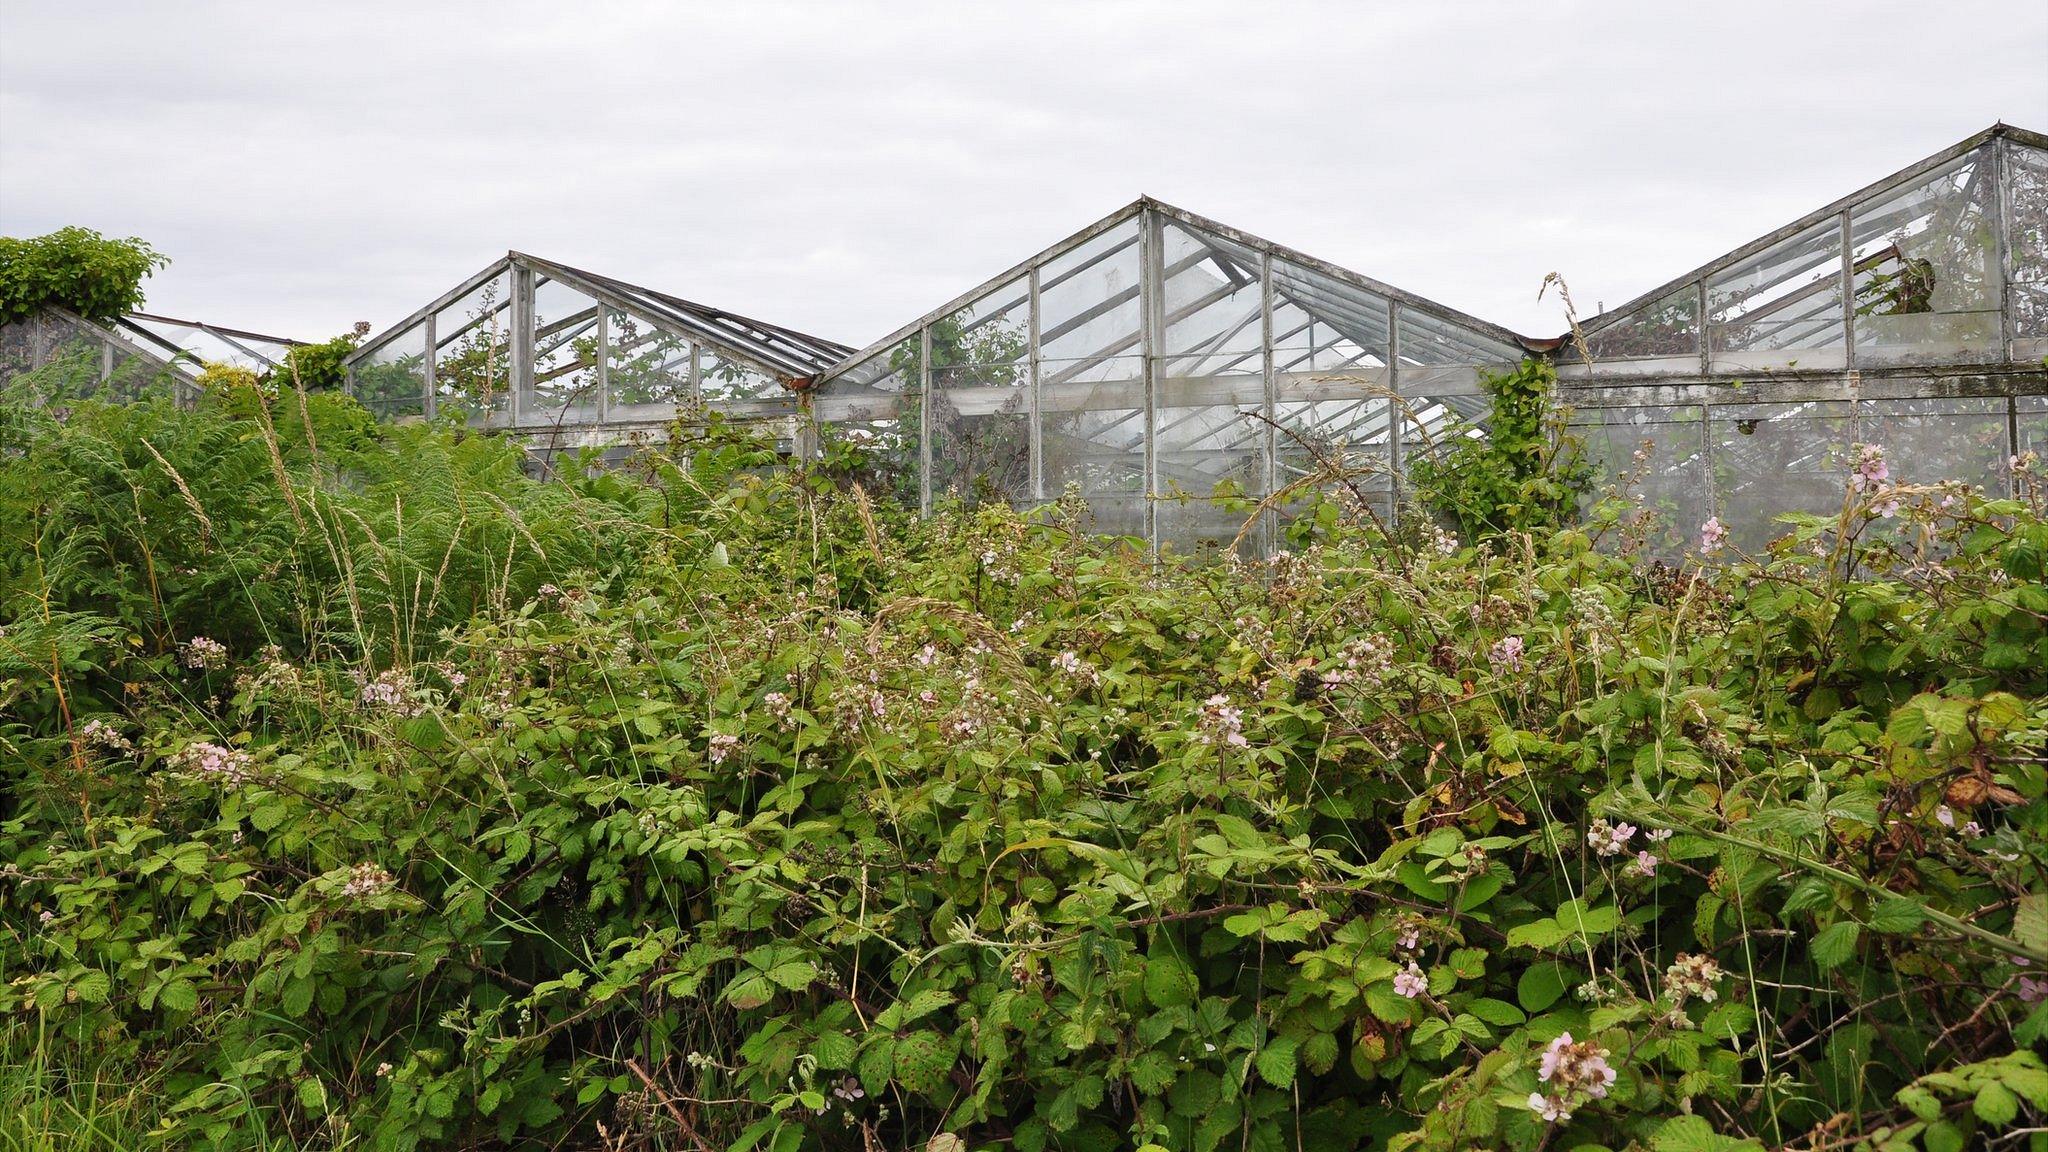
[1693, 976]
[366, 880]
[1221, 723]
[1550, 1108]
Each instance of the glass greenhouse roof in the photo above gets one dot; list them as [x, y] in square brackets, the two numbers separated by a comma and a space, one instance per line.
[530, 343]
[1157, 359]
[190, 341]
[1943, 262]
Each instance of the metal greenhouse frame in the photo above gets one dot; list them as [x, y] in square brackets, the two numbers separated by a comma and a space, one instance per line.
[1152, 360]
[136, 354]
[561, 356]
[1911, 314]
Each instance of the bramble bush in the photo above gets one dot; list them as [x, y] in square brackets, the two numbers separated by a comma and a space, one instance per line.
[363, 793]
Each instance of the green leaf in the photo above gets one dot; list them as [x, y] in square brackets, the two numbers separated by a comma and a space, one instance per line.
[923, 1060]
[1498, 1012]
[1897, 915]
[1996, 1104]
[796, 975]
[1276, 1062]
[1942, 1136]
[1694, 1134]
[1542, 984]
[91, 986]
[1168, 981]
[835, 1051]
[180, 996]
[1836, 944]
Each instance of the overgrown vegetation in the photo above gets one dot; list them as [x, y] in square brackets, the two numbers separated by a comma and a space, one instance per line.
[77, 268]
[364, 793]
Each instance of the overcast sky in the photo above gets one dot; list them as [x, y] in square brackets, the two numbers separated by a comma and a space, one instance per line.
[844, 168]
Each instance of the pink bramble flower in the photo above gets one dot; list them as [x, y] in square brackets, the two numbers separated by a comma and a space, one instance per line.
[227, 766]
[1410, 982]
[1609, 839]
[1576, 1067]
[1971, 829]
[1657, 835]
[2029, 990]
[723, 744]
[1869, 472]
[1644, 865]
[1713, 536]
[1506, 655]
[1550, 1108]
[1220, 723]
[202, 654]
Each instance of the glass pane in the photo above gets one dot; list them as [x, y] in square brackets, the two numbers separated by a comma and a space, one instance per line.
[1322, 324]
[564, 355]
[1093, 433]
[1210, 458]
[1088, 299]
[1440, 357]
[1770, 459]
[473, 352]
[392, 381]
[2026, 174]
[1655, 458]
[1212, 302]
[646, 368]
[981, 398]
[1781, 308]
[867, 421]
[1931, 440]
[1927, 281]
[1664, 335]
[2032, 412]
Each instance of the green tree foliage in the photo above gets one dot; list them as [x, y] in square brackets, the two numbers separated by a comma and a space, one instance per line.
[362, 792]
[75, 268]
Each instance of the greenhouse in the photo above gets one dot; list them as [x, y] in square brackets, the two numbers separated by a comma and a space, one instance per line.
[565, 358]
[1171, 370]
[137, 355]
[1911, 315]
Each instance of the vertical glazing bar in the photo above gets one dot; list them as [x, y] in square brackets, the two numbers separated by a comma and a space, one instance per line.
[1848, 292]
[1706, 337]
[106, 362]
[1150, 277]
[924, 420]
[1711, 482]
[1397, 413]
[1037, 431]
[522, 343]
[696, 377]
[1269, 437]
[604, 355]
[2008, 318]
[2012, 446]
[430, 401]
